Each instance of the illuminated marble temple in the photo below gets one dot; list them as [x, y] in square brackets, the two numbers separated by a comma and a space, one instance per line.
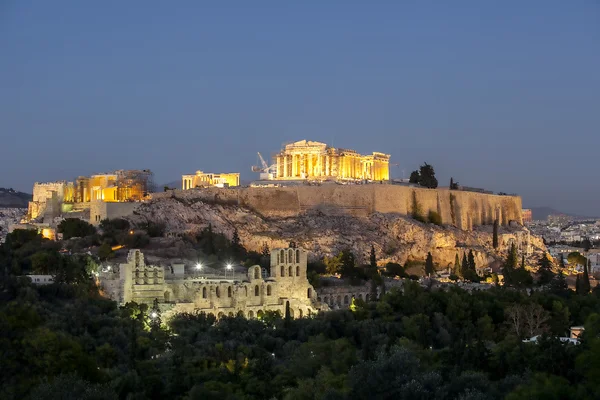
[206, 179]
[315, 160]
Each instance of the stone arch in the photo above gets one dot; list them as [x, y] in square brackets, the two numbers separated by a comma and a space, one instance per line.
[297, 255]
[259, 314]
[290, 256]
[281, 255]
[367, 297]
[278, 259]
[290, 272]
[230, 314]
[346, 300]
[282, 271]
[229, 290]
[167, 296]
[257, 273]
[360, 296]
[240, 313]
[297, 270]
[218, 291]
[299, 313]
[339, 300]
[309, 293]
[268, 290]
[256, 290]
[204, 292]
[220, 315]
[250, 314]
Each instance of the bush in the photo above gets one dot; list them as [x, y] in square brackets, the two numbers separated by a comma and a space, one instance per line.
[75, 227]
[155, 229]
[435, 218]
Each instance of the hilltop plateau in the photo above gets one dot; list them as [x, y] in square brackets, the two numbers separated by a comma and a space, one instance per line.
[396, 238]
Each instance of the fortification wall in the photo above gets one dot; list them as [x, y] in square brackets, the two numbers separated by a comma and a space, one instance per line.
[462, 209]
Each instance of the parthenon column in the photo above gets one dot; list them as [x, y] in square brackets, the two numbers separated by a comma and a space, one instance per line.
[285, 166]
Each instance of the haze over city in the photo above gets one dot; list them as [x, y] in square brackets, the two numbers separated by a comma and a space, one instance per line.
[502, 96]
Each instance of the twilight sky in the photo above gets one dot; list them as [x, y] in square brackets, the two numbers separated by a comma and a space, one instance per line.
[498, 94]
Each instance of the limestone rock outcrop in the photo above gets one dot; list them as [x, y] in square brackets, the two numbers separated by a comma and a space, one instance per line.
[396, 238]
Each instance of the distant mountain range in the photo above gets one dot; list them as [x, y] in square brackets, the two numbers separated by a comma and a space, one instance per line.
[542, 213]
[10, 198]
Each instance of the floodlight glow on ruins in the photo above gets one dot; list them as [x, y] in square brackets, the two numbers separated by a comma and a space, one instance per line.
[198, 266]
[229, 266]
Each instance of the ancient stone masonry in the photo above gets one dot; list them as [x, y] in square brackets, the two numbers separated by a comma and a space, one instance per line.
[53, 199]
[461, 209]
[314, 160]
[250, 295]
[207, 179]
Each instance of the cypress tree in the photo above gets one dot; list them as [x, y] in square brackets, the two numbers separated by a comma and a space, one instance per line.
[465, 265]
[373, 259]
[472, 265]
[457, 270]
[523, 261]
[585, 281]
[429, 268]
[451, 183]
[495, 234]
[288, 317]
[578, 288]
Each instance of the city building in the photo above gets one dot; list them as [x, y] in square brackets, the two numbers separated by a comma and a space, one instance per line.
[318, 161]
[206, 179]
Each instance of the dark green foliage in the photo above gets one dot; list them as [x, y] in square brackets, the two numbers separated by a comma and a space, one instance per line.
[457, 266]
[394, 269]
[434, 218]
[545, 274]
[155, 229]
[373, 258]
[452, 211]
[513, 276]
[425, 177]
[429, 267]
[416, 211]
[495, 234]
[75, 227]
[105, 251]
[585, 278]
[453, 185]
[415, 177]
[586, 244]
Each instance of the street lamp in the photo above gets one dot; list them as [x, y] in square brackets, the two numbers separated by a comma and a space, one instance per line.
[153, 315]
[228, 267]
[199, 266]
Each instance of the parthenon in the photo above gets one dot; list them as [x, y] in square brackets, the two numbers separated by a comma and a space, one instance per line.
[314, 160]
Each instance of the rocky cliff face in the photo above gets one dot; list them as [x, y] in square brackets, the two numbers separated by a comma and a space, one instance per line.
[396, 238]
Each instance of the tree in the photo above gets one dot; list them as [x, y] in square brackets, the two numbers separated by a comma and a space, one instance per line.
[586, 244]
[288, 315]
[453, 185]
[464, 268]
[585, 279]
[373, 258]
[457, 270]
[472, 265]
[75, 227]
[495, 234]
[333, 264]
[348, 264]
[237, 250]
[427, 177]
[155, 316]
[415, 177]
[559, 284]
[105, 251]
[545, 275]
[429, 268]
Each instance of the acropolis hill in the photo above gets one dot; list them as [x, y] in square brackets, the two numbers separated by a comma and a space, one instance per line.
[459, 208]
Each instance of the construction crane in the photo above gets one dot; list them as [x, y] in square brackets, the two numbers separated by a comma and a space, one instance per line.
[266, 171]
